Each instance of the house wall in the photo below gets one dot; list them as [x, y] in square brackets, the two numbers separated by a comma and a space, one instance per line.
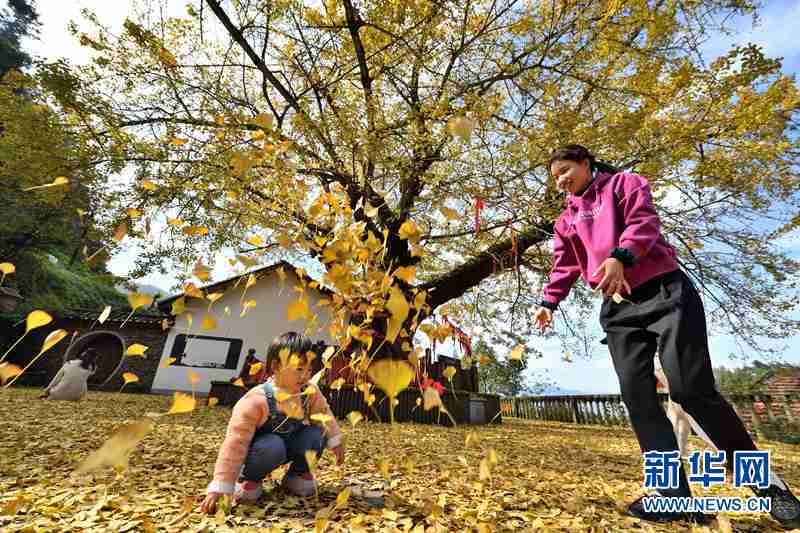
[256, 329]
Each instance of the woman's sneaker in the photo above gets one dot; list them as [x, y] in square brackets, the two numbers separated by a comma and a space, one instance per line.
[247, 491]
[785, 507]
[300, 484]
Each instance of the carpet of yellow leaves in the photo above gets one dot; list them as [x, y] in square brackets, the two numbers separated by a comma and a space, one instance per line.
[520, 476]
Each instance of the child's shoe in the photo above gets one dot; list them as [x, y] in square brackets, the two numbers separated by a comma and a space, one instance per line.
[248, 491]
[300, 484]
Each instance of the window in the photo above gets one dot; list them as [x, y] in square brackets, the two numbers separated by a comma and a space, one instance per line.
[206, 352]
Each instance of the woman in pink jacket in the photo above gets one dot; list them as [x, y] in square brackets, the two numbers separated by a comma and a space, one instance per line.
[271, 426]
[610, 235]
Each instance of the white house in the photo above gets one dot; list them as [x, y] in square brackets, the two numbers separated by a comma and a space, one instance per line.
[218, 353]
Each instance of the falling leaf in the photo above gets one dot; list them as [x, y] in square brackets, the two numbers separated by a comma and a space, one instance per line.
[568, 357]
[139, 299]
[133, 212]
[398, 308]
[177, 142]
[37, 319]
[129, 377]
[8, 371]
[255, 240]
[449, 372]
[61, 180]
[52, 339]
[311, 459]
[168, 361]
[193, 377]
[297, 310]
[174, 222]
[411, 231]
[391, 376]
[251, 280]
[321, 417]
[328, 353]
[201, 271]
[449, 214]
[431, 399]
[315, 379]
[239, 383]
[209, 323]
[255, 368]
[178, 306]
[105, 314]
[149, 185]
[212, 401]
[214, 296]
[7, 268]
[337, 384]
[136, 349]
[354, 417]
[115, 451]
[407, 274]
[246, 306]
[181, 403]
[121, 231]
[191, 290]
[516, 353]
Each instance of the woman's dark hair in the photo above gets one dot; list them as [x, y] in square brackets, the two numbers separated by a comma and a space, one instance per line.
[88, 359]
[578, 153]
[296, 344]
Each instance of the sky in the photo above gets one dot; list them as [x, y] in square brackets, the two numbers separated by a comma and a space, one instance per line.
[775, 33]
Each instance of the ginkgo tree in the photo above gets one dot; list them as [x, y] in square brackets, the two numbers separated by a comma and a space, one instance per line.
[404, 144]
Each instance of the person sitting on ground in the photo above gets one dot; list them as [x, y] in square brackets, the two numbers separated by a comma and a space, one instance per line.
[70, 383]
[274, 424]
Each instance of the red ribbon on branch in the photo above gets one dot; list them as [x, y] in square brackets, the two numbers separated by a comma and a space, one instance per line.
[478, 206]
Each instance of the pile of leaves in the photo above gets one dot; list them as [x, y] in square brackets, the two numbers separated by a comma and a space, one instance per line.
[520, 475]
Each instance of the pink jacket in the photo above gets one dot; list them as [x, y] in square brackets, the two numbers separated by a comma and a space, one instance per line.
[249, 413]
[615, 211]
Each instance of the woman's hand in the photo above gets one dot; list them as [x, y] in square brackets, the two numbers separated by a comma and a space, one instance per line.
[543, 318]
[209, 505]
[613, 277]
[338, 451]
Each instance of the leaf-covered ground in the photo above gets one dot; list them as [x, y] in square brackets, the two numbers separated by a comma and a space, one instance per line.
[548, 476]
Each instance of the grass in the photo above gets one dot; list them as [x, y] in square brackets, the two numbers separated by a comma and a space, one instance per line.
[549, 476]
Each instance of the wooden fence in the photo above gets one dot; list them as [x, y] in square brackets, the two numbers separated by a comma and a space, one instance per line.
[766, 416]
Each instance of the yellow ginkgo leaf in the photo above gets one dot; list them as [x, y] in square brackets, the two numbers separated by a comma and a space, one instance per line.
[239, 383]
[104, 314]
[139, 299]
[485, 470]
[190, 289]
[297, 310]
[282, 396]
[52, 339]
[193, 377]
[168, 361]
[8, 371]
[212, 401]
[136, 349]
[121, 231]
[321, 418]
[149, 185]
[311, 460]
[177, 142]
[342, 498]
[568, 357]
[328, 353]
[214, 296]
[516, 353]
[391, 376]
[133, 212]
[354, 417]
[61, 180]
[115, 451]
[37, 319]
[201, 271]
[178, 306]
[129, 377]
[398, 308]
[255, 240]
[448, 213]
[7, 268]
[337, 384]
[460, 127]
[449, 372]
[255, 368]
[411, 231]
[407, 274]
[209, 323]
[251, 280]
[181, 403]
[174, 221]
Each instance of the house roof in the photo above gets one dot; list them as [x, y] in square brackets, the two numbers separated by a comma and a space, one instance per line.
[118, 314]
[225, 282]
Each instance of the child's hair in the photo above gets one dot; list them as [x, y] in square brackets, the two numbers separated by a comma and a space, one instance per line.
[88, 359]
[296, 344]
[578, 153]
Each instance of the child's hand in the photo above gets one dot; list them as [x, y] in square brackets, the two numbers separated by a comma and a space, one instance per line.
[613, 279]
[209, 505]
[543, 318]
[339, 453]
